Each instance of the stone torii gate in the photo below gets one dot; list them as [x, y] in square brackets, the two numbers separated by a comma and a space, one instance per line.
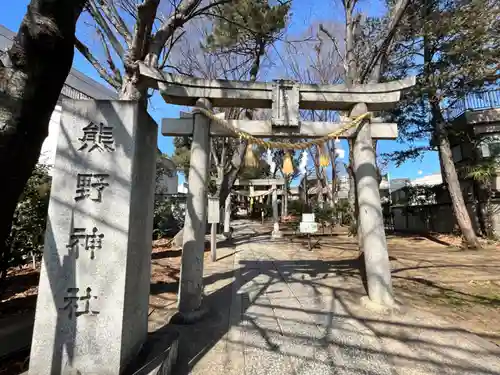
[285, 98]
[92, 304]
[252, 183]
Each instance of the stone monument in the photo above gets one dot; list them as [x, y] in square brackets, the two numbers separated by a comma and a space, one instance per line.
[92, 307]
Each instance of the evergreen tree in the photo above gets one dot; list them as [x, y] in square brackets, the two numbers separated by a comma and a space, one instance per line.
[453, 47]
[245, 29]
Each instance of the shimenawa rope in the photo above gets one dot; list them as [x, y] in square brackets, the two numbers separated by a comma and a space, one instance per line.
[282, 145]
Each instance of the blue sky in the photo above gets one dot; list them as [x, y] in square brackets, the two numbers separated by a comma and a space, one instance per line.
[303, 13]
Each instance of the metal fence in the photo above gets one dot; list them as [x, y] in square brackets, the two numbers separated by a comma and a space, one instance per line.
[473, 102]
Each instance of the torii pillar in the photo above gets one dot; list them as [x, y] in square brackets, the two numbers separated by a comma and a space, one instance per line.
[371, 223]
[191, 277]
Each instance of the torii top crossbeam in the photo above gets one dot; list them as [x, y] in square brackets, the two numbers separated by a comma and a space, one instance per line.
[284, 97]
[182, 90]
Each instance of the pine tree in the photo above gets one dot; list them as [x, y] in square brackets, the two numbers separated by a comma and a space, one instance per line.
[453, 46]
[246, 29]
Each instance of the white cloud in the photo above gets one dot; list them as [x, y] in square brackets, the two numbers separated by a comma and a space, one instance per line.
[340, 153]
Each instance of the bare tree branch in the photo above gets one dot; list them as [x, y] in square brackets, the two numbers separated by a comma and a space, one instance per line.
[116, 20]
[130, 7]
[186, 11]
[214, 152]
[172, 43]
[109, 58]
[335, 44]
[223, 154]
[146, 13]
[97, 66]
[178, 70]
[202, 11]
[167, 29]
[384, 46]
[103, 24]
[350, 23]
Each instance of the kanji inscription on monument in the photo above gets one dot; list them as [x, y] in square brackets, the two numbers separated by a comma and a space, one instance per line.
[89, 241]
[92, 306]
[73, 303]
[89, 185]
[97, 137]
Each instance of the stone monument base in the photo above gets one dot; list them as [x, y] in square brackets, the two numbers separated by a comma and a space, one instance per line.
[158, 355]
[229, 234]
[276, 234]
[392, 307]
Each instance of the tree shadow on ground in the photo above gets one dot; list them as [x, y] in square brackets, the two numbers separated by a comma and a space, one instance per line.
[17, 306]
[417, 236]
[19, 283]
[166, 254]
[442, 291]
[276, 322]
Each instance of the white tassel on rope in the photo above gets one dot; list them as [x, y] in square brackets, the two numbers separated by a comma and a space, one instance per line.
[339, 151]
[303, 163]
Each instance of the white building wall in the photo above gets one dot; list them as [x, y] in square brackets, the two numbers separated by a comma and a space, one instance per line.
[49, 146]
[167, 184]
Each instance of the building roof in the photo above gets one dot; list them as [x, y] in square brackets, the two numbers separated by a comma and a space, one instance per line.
[168, 164]
[395, 184]
[77, 86]
[430, 180]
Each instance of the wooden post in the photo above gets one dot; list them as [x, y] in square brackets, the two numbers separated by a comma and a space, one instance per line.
[252, 200]
[276, 226]
[213, 242]
[227, 217]
[191, 279]
[285, 197]
[371, 222]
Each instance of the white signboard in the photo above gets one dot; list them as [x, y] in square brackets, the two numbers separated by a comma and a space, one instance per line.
[308, 227]
[308, 218]
[213, 210]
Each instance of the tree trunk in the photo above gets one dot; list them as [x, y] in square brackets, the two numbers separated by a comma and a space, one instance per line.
[457, 199]
[479, 208]
[319, 194]
[379, 174]
[352, 69]
[352, 195]
[488, 210]
[131, 88]
[328, 188]
[227, 182]
[322, 178]
[333, 186]
[446, 156]
[303, 191]
[32, 75]
[483, 192]
[231, 176]
[352, 77]
[285, 197]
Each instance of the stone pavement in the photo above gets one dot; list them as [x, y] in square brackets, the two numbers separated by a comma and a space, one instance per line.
[276, 309]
